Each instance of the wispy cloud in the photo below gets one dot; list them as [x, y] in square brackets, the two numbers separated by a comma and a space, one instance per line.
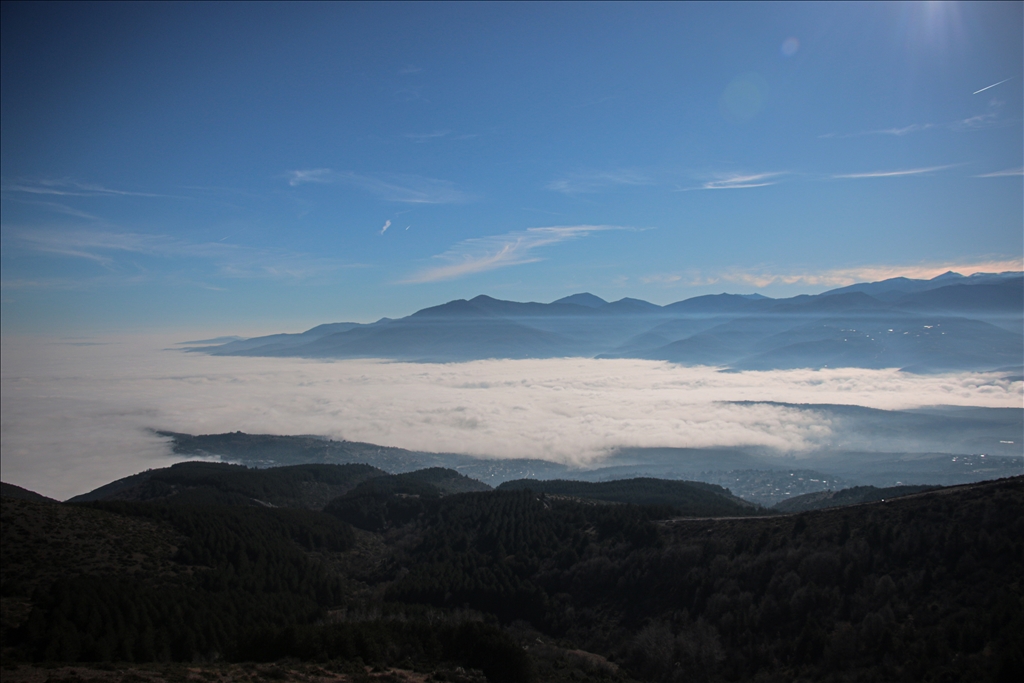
[387, 224]
[311, 175]
[977, 122]
[895, 173]
[423, 137]
[482, 254]
[110, 249]
[898, 131]
[585, 183]
[905, 130]
[1002, 174]
[404, 188]
[987, 120]
[71, 188]
[839, 277]
[741, 181]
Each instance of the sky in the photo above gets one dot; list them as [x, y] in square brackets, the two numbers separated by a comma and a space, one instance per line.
[251, 168]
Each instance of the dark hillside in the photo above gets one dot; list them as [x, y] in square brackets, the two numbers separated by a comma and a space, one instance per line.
[852, 496]
[690, 498]
[141, 581]
[446, 480]
[525, 585]
[12, 491]
[397, 499]
[207, 483]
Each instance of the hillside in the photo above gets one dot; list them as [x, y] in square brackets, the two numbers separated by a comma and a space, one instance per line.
[850, 496]
[525, 586]
[207, 483]
[689, 498]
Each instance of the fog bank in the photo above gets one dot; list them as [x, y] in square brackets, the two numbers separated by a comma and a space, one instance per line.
[77, 414]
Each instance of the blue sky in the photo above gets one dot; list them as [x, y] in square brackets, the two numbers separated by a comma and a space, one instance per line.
[247, 168]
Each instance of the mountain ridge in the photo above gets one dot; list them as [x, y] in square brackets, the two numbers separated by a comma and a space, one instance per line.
[948, 323]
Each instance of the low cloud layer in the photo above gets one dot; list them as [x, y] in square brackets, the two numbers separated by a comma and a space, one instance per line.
[77, 413]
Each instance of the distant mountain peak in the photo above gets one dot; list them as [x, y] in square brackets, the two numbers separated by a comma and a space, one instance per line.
[582, 299]
[636, 303]
[948, 275]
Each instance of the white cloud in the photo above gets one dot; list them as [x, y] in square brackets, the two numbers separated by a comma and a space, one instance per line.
[481, 254]
[387, 224]
[585, 183]
[423, 137]
[76, 416]
[109, 249]
[737, 181]
[1004, 173]
[895, 173]
[71, 188]
[905, 130]
[404, 188]
[311, 175]
[898, 131]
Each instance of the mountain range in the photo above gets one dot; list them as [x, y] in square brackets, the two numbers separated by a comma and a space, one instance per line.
[949, 323]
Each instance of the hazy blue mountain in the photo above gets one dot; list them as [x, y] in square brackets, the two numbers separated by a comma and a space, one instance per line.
[583, 299]
[1004, 297]
[948, 323]
[721, 303]
[275, 344]
[897, 287]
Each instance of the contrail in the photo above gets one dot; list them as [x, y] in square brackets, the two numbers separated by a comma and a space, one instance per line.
[990, 86]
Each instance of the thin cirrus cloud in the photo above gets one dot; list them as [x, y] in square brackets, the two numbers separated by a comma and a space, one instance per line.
[1004, 173]
[481, 254]
[894, 173]
[898, 131]
[403, 188]
[987, 120]
[739, 181]
[71, 188]
[109, 249]
[423, 137]
[586, 183]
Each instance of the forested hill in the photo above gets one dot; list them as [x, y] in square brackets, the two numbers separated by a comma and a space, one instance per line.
[210, 483]
[525, 586]
[690, 498]
[297, 486]
[851, 496]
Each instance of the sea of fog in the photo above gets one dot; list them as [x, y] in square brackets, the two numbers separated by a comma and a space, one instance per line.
[79, 413]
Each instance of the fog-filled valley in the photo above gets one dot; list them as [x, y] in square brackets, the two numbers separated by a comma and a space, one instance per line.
[240, 506]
